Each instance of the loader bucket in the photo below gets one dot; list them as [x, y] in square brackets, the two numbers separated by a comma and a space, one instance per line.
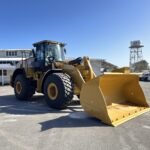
[113, 98]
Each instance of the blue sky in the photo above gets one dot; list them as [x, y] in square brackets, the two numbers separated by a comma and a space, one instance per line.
[95, 28]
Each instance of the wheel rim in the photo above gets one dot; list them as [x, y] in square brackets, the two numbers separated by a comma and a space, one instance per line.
[52, 91]
[18, 87]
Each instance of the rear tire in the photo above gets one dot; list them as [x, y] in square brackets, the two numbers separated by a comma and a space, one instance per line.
[22, 88]
[58, 90]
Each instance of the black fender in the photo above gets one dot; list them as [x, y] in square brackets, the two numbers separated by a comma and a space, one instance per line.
[49, 72]
[15, 73]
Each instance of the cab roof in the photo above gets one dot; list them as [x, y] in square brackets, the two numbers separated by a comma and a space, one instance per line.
[48, 42]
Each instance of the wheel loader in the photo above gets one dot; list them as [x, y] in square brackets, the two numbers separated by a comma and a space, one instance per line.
[113, 98]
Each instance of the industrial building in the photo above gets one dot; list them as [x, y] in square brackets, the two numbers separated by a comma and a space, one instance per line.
[8, 60]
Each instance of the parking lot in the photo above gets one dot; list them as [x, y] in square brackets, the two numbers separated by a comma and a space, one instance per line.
[32, 125]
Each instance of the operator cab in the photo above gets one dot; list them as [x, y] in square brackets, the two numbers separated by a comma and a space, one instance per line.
[46, 52]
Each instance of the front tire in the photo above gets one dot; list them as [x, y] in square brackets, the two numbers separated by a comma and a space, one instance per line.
[58, 90]
[22, 88]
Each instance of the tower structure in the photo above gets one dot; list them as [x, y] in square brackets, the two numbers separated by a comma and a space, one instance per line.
[135, 53]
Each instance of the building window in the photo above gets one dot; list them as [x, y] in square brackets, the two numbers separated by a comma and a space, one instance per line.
[15, 53]
[5, 72]
[11, 53]
[7, 54]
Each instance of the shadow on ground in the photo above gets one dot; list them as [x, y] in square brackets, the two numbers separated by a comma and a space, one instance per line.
[9, 104]
[67, 122]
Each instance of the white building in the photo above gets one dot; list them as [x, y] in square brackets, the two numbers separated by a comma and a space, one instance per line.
[13, 56]
[6, 71]
[8, 60]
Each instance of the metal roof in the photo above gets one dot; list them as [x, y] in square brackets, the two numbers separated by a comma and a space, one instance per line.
[49, 42]
[15, 49]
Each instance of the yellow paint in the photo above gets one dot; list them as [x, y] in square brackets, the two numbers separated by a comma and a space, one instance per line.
[113, 98]
[18, 87]
[52, 91]
[122, 70]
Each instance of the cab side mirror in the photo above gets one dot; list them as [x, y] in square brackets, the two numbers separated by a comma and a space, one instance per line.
[33, 52]
[65, 51]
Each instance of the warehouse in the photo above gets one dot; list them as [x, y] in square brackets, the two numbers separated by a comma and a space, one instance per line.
[8, 61]
[6, 71]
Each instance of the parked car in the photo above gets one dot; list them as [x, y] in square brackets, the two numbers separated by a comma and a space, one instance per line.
[148, 78]
[145, 76]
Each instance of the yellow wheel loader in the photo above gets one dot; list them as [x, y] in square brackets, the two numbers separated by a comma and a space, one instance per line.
[113, 98]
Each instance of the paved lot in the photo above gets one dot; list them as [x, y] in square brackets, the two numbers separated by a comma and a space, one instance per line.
[33, 126]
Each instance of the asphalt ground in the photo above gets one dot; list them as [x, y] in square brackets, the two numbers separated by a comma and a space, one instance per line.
[32, 125]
